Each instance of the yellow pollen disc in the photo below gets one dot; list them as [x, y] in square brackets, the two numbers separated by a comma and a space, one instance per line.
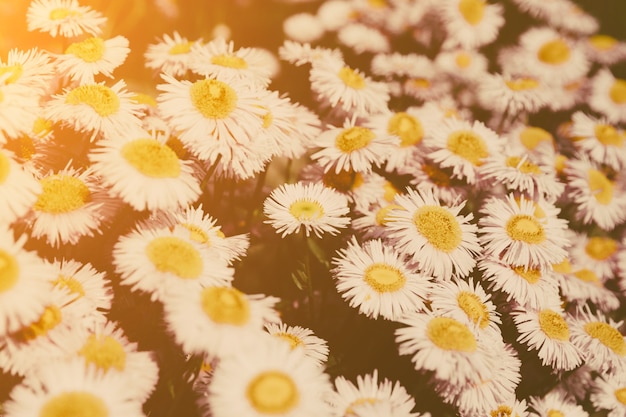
[449, 334]
[618, 91]
[607, 335]
[61, 13]
[436, 175]
[377, 4]
[213, 99]
[468, 145]
[294, 341]
[9, 271]
[5, 167]
[197, 234]
[181, 48]
[554, 52]
[220, 234]
[501, 411]
[526, 167]
[555, 413]
[74, 404]
[71, 284]
[564, 267]
[343, 181]
[560, 163]
[273, 392]
[588, 275]
[151, 158]
[142, 98]
[384, 278]
[350, 410]
[553, 325]
[229, 61]
[522, 84]
[472, 10]
[440, 228]
[601, 187]
[105, 352]
[475, 309]
[390, 191]
[304, 210]
[225, 305]
[173, 255]
[268, 119]
[407, 127]
[41, 127]
[525, 228]
[602, 42]
[353, 139]
[15, 72]
[99, 97]
[48, 320]
[382, 213]
[420, 83]
[62, 194]
[532, 276]
[601, 248]
[89, 50]
[351, 78]
[463, 60]
[608, 135]
[620, 395]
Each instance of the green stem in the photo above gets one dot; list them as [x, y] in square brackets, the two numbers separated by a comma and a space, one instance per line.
[209, 174]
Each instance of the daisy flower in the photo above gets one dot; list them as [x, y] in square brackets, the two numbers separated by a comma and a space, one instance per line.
[335, 14]
[608, 96]
[170, 55]
[429, 177]
[298, 53]
[511, 94]
[270, 378]
[597, 253]
[507, 408]
[463, 64]
[303, 27]
[32, 68]
[313, 207]
[605, 49]
[353, 147]
[571, 18]
[144, 172]
[395, 64]
[427, 83]
[65, 389]
[599, 339]
[441, 242]
[71, 205]
[601, 141]
[608, 392]
[161, 259]
[470, 23]
[337, 85]
[348, 399]
[300, 337]
[19, 108]
[463, 146]
[215, 320]
[362, 38]
[533, 140]
[565, 96]
[512, 232]
[63, 17]
[377, 280]
[547, 331]
[97, 108]
[448, 347]
[556, 402]
[18, 188]
[85, 59]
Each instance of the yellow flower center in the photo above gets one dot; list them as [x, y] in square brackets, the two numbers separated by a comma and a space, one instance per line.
[525, 167]
[602, 42]
[384, 278]
[522, 84]
[225, 305]
[472, 10]
[468, 145]
[89, 50]
[268, 119]
[608, 135]
[449, 334]
[99, 97]
[351, 78]
[142, 98]
[350, 409]
[229, 61]
[601, 187]
[555, 413]
[304, 210]
[48, 320]
[588, 275]
[41, 127]
[377, 4]
[294, 341]
[151, 158]
[501, 411]
[607, 335]
[383, 212]
[390, 191]
[343, 181]
[213, 99]
[601, 248]
[74, 404]
[618, 91]
[62, 194]
[620, 395]
[463, 60]
[181, 48]
[440, 228]
[525, 228]
[15, 72]
[71, 284]
[560, 163]
[5, 167]
[105, 352]
[353, 139]
[273, 392]
[554, 52]
[407, 127]
[421, 83]
[197, 234]
[564, 267]
[553, 325]
[532, 276]
[61, 13]
[9, 271]
[170, 254]
[475, 309]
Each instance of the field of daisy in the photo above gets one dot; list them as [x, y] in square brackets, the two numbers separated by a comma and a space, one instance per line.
[357, 208]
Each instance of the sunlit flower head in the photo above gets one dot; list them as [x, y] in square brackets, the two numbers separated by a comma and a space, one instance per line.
[32, 68]
[605, 50]
[608, 96]
[303, 27]
[298, 53]
[556, 402]
[470, 23]
[511, 94]
[170, 55]
[464, 64]
[66, 18]
[608, 392]
[299, 337]
[601, 141]
[19, 108]
[18, 188]
[362, 38]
